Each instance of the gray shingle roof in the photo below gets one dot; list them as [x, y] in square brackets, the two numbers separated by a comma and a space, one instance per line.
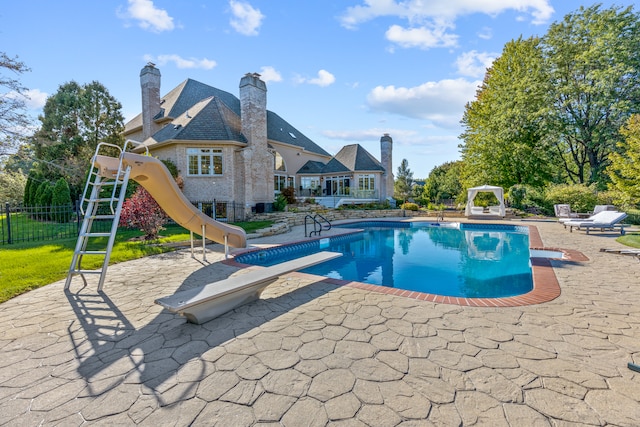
[334, 166]
[207, 120]
[311, 167]
[280, 130]
[356, 158]
[351, 158]
[218, 120]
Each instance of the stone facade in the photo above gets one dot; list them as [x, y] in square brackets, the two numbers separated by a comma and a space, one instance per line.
[297, 218]
[150, 86]
[386, 157]
[258, 161]
[262, 154]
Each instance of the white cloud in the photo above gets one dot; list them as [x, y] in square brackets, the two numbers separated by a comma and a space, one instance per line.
[246, 19]
[324, 78]
[270, 74]
[430, 22]
[447, 10]
[182, 63]
[486, 33]
[33, 99]
[422, 37]
[372, 134]
[440, 102]
[148, 16]
[474, 63]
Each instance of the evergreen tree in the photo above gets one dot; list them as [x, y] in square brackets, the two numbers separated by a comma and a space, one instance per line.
[61, 201]
[76, 118]
[404, 181]
[27, 190]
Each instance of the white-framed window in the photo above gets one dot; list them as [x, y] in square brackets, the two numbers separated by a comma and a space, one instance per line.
[337, 186]
[310, 182]
[366, 182]
[204, 161]
[280, 182]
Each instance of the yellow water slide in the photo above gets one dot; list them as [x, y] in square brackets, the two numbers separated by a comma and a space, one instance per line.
[154, 176]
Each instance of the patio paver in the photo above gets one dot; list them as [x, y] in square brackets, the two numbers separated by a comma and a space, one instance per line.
[317, 353]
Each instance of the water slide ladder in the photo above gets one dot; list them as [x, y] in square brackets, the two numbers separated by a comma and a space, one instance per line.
[106, 186]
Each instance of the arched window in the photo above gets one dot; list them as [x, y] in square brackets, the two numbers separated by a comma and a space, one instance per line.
[278, 163]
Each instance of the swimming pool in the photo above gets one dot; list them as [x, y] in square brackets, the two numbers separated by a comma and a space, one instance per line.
[452, 259]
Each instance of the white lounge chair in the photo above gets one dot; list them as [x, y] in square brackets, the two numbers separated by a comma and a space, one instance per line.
[605, 220]
[578, 217]
[564, 213]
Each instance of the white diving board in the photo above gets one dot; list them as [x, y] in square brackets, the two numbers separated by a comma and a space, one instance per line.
[209, 301]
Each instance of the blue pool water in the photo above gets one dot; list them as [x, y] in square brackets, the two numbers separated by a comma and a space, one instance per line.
[462, 260]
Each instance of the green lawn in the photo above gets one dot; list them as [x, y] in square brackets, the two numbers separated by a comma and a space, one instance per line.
[630, 239]
[30, 265]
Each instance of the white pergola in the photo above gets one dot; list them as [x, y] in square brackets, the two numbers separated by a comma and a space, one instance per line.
[472, 192]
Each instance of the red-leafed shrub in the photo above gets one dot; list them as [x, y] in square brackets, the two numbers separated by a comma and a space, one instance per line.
[142, 212]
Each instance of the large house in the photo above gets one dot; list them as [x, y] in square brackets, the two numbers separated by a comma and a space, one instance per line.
[235, 150]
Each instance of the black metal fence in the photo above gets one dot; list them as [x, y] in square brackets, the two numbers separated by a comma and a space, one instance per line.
[31, 223]
[36, 223]
[221, 211]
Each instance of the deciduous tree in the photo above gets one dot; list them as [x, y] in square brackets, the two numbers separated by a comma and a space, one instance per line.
[443, 182]
[504, 142]
[624, 169]
[593, 67]
[13, 115]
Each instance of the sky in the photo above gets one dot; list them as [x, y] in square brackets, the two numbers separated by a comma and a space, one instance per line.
[340, 71]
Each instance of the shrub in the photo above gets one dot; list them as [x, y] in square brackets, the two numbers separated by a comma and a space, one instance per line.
[142, 212]
[280, 203]
[582, 198]
[408, 206]
[27, 191]
[517, 195]
[290, 194]
[61, 198]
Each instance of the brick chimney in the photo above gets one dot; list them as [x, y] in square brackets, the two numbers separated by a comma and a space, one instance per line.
[386, 158]
[258, 160]
[150, 86]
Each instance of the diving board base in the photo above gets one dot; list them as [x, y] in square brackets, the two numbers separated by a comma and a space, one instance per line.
[204, 303]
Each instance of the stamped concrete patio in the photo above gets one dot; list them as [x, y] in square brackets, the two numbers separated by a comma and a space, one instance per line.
[313, 353]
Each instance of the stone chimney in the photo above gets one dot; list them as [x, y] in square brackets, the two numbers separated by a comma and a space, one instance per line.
[386, 158]
[150, 86]
[258, 160]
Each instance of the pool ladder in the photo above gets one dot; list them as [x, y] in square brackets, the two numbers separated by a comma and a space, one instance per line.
[319, 223]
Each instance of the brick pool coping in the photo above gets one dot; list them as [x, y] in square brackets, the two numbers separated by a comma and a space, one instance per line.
[545, 283]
